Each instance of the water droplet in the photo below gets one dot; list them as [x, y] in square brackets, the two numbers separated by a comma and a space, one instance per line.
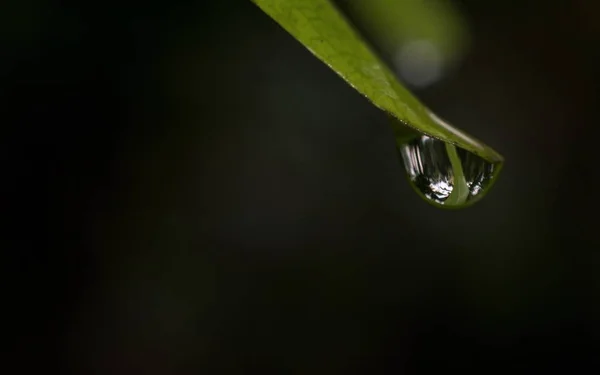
[445, 174]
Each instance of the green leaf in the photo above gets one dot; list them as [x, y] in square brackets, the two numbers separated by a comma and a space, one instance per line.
[324, 30]
[394, 24]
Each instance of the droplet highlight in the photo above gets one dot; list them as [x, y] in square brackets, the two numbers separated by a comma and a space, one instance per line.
[444, 174]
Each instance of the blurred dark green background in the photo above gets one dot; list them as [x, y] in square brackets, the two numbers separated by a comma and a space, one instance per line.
[188, 190]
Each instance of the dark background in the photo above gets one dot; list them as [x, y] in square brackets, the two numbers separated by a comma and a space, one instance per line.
[188, 190]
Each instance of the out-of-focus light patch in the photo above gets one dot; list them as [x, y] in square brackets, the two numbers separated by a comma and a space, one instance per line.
[419, 63]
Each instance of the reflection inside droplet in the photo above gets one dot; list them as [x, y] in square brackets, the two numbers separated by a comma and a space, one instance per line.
[446, 174]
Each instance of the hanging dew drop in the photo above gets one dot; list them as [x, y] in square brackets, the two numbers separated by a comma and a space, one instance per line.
[444, 174]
